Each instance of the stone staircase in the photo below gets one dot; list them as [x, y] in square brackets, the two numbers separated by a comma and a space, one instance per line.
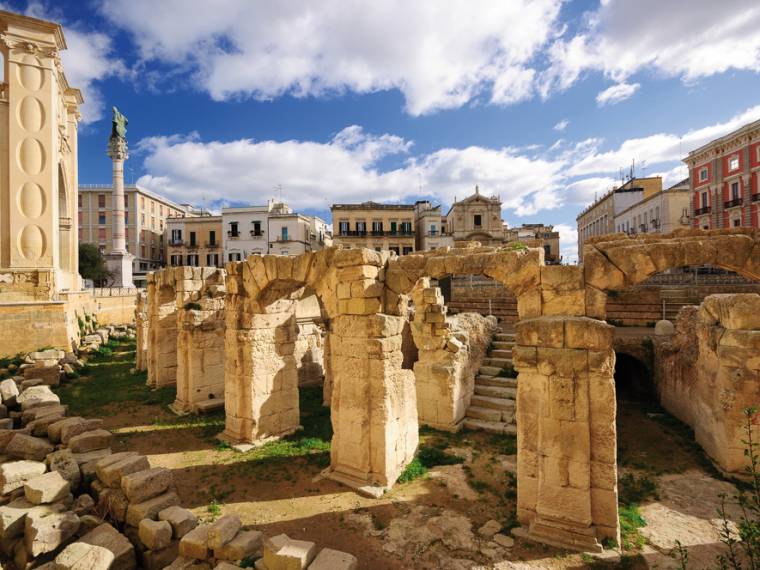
[492, 407]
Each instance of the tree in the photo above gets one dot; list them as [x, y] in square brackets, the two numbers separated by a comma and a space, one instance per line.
[92, 265]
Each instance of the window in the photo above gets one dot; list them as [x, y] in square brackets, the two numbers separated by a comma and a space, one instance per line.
[284, 233]
[101, 200]
[737, 223]
[433, 229]
[126, 216]
[343, 228]
[101, 234]
[175, 260]
[734, 190]
[212, 259]
[79, 200]
[142, 251]
[152, 252]
[142, 202]
[126, 201]
[152, 207]
[143, 267]
[161, 210]
[733, 163]
[394, 248]
[102, 218]
[361, 227]
[176, 236]
[408, 250]
[212, 238]
[257, 228]
[477, 220]
[192, 259]
[377, 228]
[142, 219]
[393, 227]
[704, 200]
[233, 230]
[193, 242]
[703, 174]
[233, 257]
[406, 227]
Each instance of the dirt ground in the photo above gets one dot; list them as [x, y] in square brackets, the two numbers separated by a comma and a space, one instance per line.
[430, 522]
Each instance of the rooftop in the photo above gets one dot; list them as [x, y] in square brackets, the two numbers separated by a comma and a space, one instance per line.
[372, 206]
[132, 188]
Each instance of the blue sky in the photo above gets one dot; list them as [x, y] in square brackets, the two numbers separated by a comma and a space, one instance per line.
[539, 101]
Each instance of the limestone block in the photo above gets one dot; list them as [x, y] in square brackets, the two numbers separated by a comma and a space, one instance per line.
[113, 458]
[64, 463]
[37, 396]
[195, 543]
[226, 566]
[600, 272]
[363, 256]
[28, 447]
[283, 553]
[111, 473]
[664, 327]
[89, 456]
[244, 545]
[108, 537]
[732, 311]
[54, 429]
[155, 535]
[47, 488]
[50, 375]
[184, 563]
[149, 509]
[221, 531]
[329, 559]
[12, 518]
[83, 505]
[34, 414]
[14, 474]
[590, 334]
[159, 559]
[46, 532]
[114, 503]
[544, 332]
[181, 520]
[9, 391]
[83, 556]
[90, 441]
[144, 485]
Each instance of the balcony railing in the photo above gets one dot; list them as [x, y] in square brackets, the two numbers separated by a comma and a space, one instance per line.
[702, 211]
[211, 245]
[357, 233]
[173, 241]
[255, 234]
[233, 235]
[733, 203]
[756, 197]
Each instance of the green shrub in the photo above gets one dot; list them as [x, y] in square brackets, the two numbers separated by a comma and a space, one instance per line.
[413, 471]
[630, 523]
[72, 375]
[104, 352]
[634, 490]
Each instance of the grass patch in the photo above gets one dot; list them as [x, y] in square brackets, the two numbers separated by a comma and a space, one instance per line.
[414, 470]
[630, 523]
[633, 489]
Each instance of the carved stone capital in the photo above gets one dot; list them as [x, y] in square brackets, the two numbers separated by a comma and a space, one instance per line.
[34, 48]
[117, 149]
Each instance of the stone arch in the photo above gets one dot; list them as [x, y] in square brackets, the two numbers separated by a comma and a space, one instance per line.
[633, 377]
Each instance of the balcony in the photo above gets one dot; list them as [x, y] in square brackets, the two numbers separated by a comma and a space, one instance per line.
[702, 211]
[732, 203]
[177, 242]
[355, 233]
[211, 244]
[756, 197]
[256, 235]
[233, 235]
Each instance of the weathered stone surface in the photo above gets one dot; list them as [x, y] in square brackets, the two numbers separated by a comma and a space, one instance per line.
[14, 474]
[329, 559]
[490, 528]
[8, 391]
[64, 463]
[283, 553]
[221, 531]
[112, 472]
[73, 429]
[47, 488]
[37, 396]
[90, 441]
[46, 532]
[159, 559]
[143, 485]
[155, 535]
[181, 520]
[113, 502]
[108, 537]
[83, 556]
[243, 545]
[50, 375]
[28, 447]
[91, 456]
[149, 509]
[195, 543]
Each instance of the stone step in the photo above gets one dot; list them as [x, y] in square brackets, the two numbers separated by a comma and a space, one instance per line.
[491, 427]
[486, 414]
[496, 381]
[208, 406]
[493, 403]
[504, 337]
[489, 370]
[495, 391]
[501, 353]
[497, 362]
[502, 345]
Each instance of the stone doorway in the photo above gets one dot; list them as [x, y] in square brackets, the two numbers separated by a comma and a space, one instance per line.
[633, 380]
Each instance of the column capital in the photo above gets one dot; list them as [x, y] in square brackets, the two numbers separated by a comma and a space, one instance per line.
[117, 149]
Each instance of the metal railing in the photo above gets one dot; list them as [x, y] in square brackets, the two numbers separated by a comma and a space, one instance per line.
[756, 197]
[701, 211]
[358, 233]
[733, 203]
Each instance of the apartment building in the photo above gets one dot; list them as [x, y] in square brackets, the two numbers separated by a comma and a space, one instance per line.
[375, 226]
[145, 215]
[725, 180]
[431, 227]
[291, 233]
[599, 218]
[195, 241]
[660, 213]
[537, 235]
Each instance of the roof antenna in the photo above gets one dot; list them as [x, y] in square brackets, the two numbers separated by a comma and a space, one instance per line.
[278, 187]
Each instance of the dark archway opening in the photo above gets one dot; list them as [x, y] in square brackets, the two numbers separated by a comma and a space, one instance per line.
[633, 380]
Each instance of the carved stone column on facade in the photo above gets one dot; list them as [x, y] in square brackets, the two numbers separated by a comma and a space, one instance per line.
[141, 331]
[162, 329]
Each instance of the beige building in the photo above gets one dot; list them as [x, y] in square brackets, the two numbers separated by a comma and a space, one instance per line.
[431, 227]
[145, 215]
[599, 218]
[661, 212]
[476, 218]
[375, 226]
[537, 235]
[194, 240]
[291, 233]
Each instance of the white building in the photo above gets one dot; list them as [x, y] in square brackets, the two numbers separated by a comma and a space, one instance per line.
[660, 213]
[273, 228]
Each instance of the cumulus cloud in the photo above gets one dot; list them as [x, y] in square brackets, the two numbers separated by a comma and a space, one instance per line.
[439, 58]
[562, 125]
[616, 93]
[568, 242]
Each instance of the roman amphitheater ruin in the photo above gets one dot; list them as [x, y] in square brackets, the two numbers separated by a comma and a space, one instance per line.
[200, 320]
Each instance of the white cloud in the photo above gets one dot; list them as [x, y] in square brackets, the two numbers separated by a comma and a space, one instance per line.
[438, 56]
[562, 125]
[568, 242]
[674, 39]
[616, 93]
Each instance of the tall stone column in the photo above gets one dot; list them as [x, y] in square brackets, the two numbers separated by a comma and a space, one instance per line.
[119, 260]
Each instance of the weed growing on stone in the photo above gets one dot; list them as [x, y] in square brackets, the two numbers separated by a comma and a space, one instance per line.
[630, 523]
[414, 470]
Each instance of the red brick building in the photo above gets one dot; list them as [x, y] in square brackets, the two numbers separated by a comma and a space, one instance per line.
[725, 180]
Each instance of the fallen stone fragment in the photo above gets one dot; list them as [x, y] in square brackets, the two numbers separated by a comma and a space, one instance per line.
[83, 556]
[37, 413]
[195, 543]
[182, 520]
[159, 559]
[226, 566]
[76, 428]
[28, 447]
[282, 552]
[14, 474]
[37, 396]
[155, 535]
[329, 559]
[184, 563]
[223, 530]
[47, 488]
[490, 528]
[12, 518]
[83, 505]
[150, 508]
[6, 423]
[503, 540]
[114, 503]
[108, 537]
[63, 461]
[244, 545]
[82, 458]
[54, 430]
[39, 427]
[90, 441]
[144, 485]
[50, 375]
[112, 473]
[8, 392]
[46, 532]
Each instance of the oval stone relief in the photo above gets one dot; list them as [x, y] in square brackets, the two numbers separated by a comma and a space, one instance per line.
[31, 156]
[31, 242]
[31, 200]
[31, 114]
[30, 75]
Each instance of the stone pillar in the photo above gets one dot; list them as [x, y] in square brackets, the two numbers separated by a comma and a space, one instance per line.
[162, 329]
[260, 376]
[567, 475]
[374, 403]
[119, 260]
[141, 331]
[200, 340]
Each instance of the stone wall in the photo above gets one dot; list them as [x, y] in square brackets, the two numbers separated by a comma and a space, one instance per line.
[708, 372]
[162, 328]
[448, 358]
[141, 328]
